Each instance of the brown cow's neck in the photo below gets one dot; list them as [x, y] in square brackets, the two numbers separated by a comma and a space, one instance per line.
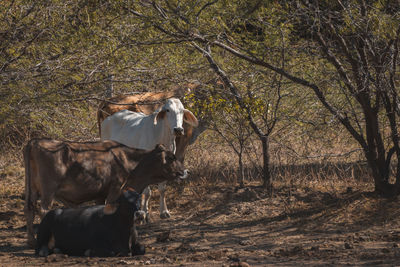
[139, 183]
[144, 175]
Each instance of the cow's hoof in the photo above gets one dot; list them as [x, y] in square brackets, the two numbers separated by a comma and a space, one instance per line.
[44, 251]
[138, 249]
[123, 254]
[165, 215]
[87, 253]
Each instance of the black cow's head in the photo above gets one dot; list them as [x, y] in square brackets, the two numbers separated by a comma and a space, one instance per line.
[129, 201]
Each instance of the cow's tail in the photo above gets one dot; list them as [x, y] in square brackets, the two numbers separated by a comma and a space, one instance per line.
[28, 179]
[100, 116]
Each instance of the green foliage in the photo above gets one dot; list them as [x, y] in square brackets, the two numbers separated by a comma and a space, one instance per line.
[56, 58]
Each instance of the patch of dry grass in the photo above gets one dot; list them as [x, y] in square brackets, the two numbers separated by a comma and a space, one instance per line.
[214, 165]
[12, 175]
[317, 213]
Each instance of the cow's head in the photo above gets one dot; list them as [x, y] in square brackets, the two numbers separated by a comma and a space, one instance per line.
[169, 166]
[127, 203]
[174, 114]
[130, 199]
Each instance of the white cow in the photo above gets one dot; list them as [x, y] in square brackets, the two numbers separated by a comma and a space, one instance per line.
[137, 130]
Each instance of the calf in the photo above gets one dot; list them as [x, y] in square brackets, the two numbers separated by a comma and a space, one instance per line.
[89, 231]
[77, 172]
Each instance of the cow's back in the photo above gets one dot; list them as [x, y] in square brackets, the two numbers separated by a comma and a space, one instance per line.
[73, 172]
[146, 103]
[133, 129]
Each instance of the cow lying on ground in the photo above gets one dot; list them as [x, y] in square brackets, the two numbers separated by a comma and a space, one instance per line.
[135, 129]
[77, 172]
[88, 231]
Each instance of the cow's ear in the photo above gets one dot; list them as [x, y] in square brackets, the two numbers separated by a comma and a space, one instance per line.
[189, 118]
[110, 208]
[160, 147]
[160, 115]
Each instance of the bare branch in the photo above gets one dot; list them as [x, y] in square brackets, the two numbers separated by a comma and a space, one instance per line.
[231, 86]
[205, 6]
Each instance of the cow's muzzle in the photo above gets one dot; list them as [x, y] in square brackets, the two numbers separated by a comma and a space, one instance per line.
[184, 175]
[178, 131]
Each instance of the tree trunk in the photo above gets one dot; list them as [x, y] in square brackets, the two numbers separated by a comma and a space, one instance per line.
[266, 171]
[385, 189]
[241, 170]
[381, 181]
[378, 159]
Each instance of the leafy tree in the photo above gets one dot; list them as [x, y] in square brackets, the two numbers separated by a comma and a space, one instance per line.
[226, 118]
[205, 22]
[356, 45]
[56, 58]
[346, 52]
[56, 55]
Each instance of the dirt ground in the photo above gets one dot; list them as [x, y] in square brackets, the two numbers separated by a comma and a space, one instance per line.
[222, 225]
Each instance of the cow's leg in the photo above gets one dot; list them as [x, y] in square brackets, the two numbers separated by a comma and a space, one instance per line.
[29, 210]
[145, 203]
[46, 202]
[164, 213]
[45, 238]
[136, 247]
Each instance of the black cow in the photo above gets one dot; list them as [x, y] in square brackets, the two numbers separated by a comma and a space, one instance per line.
[87, 231]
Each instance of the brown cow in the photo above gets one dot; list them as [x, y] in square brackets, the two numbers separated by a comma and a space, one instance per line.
[77, 172]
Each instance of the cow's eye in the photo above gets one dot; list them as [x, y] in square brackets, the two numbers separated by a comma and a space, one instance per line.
[167, 110]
